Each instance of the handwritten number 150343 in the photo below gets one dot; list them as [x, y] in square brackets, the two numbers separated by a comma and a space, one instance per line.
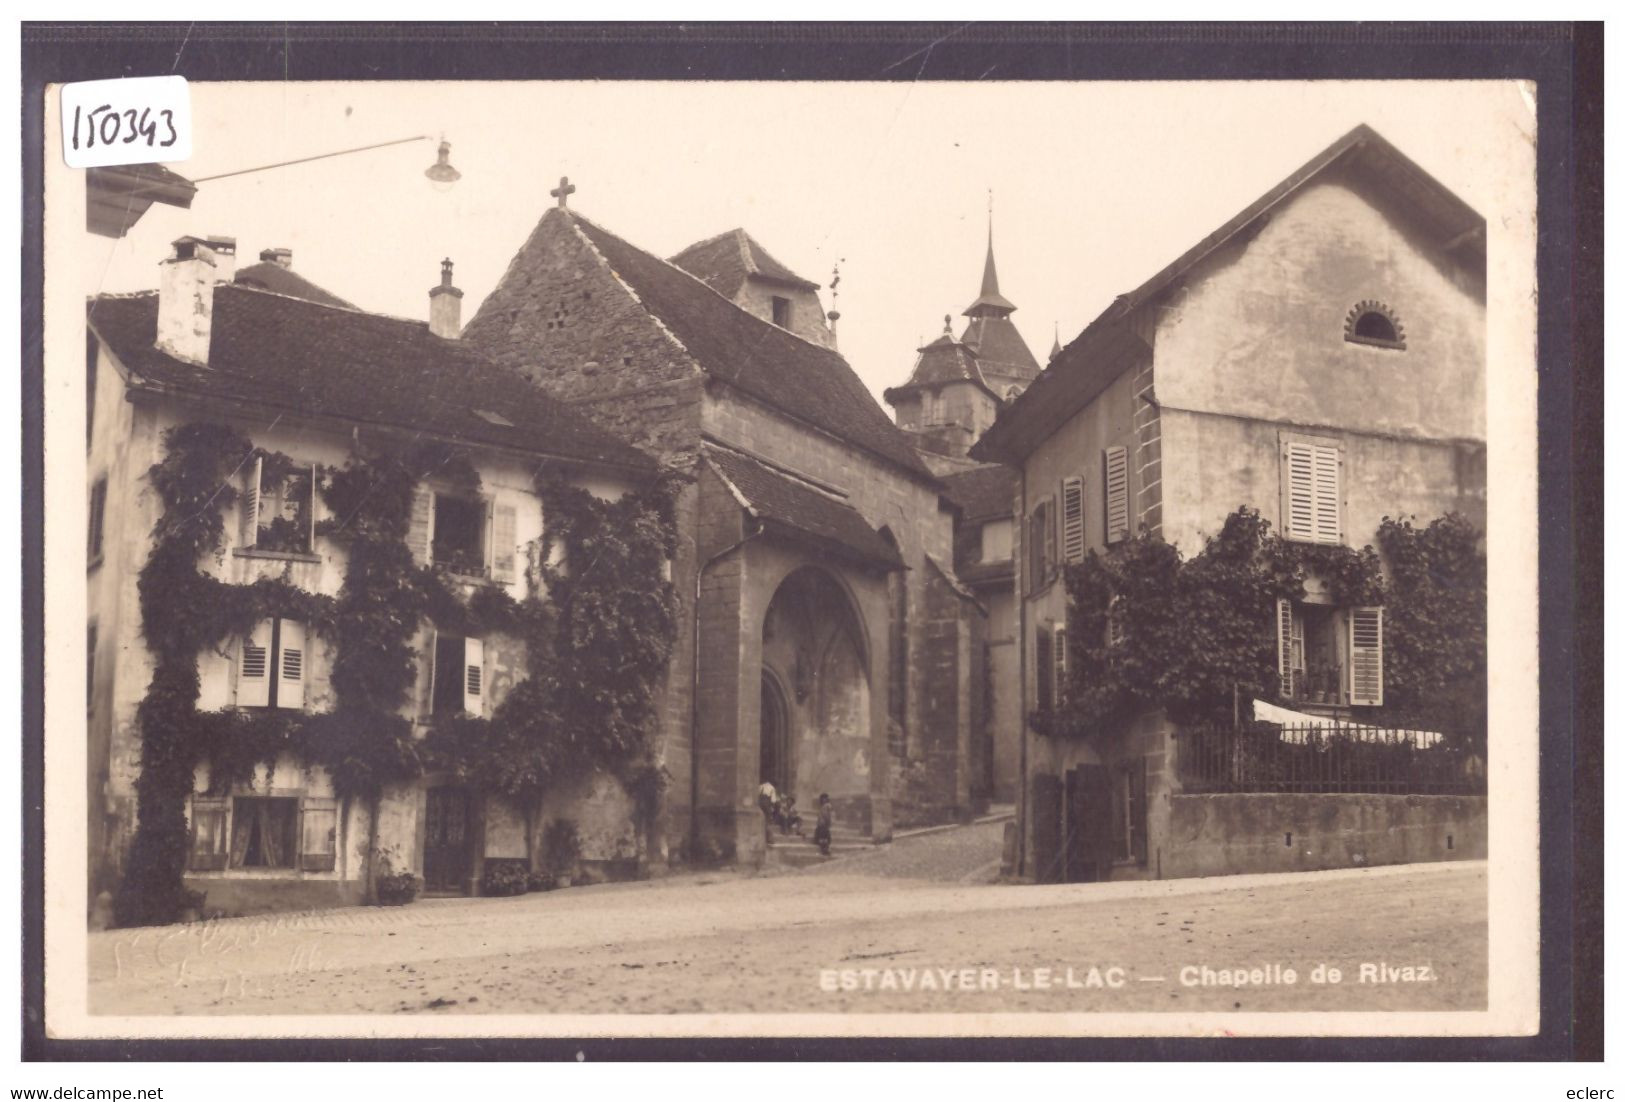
[128, 125]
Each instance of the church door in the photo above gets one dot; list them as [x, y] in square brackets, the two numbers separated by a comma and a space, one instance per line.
[775, 736]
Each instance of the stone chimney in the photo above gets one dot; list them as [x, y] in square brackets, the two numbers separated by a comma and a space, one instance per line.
[186, 283]
[280, 256]
[445, 306]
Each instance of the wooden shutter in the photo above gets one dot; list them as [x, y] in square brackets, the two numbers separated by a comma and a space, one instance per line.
[434, 671]
[290, 665]
[1116, 474]
[1072, 541]
[1283, 645]
[474, 677]
[254, 668]
[209, 819]
[250, 535]
[420, 529]
[310, 513]
[504, 543]
[1043, 663]
[1365, 656]
[1137, 811]
[1328, 494]
[98, 516]
[318, 833]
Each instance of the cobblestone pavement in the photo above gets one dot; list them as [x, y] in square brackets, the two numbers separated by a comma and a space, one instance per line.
[772, 943]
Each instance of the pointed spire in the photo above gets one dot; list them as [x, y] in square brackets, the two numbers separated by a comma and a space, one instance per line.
[990, 301]
[1055, 349]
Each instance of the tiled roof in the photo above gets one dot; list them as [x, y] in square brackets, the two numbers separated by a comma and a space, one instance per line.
[768, 363]
[282, 353]
[725, 261]
[999, 347]
[273, 277]
[983, 493]
[779, 498]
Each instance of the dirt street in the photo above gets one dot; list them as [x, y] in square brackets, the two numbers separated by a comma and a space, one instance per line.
[910, 927]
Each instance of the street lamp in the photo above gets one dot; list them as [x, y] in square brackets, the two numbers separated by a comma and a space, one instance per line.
[120, 196]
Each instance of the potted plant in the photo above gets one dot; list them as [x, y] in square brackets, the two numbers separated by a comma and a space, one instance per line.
[394, 889]
[505, 876]
[562, 846]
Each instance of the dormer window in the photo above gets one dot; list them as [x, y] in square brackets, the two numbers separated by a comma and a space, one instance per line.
[1374, 323]
[781, 312]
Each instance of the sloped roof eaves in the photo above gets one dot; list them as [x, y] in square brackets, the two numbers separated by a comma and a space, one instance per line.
[983, 493]
[275, 278]
[780, 500]
[807, 382]
[319, 361]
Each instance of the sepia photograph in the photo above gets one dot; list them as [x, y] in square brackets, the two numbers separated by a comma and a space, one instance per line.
[647, 559]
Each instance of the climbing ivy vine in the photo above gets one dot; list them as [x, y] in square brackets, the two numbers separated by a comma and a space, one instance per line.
[1193, 635]
[596, 646]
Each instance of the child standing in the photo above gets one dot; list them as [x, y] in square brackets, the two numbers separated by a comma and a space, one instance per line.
[825, 820]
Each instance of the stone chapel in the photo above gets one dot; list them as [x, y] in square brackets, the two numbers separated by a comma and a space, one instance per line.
[825, 643]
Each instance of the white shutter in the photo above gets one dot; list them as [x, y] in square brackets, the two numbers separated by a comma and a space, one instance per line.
[318, 833]
[1116, 463]
[1328, 493]
[1298, 498]
[290, 665]
[504, 543]
[250, 535]
[1072, 544]
[420, 528]
[474, 677]
[310, 513]
[1365, 655]
[1283, 645]
[254, 668]
[434, 663]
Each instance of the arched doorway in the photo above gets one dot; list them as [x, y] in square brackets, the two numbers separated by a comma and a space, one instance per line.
[815, 675]
[775, 755]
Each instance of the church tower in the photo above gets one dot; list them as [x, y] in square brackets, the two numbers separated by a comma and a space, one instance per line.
[1006, 362]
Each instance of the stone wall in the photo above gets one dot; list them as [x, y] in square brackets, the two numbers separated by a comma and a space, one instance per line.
[1223, 834]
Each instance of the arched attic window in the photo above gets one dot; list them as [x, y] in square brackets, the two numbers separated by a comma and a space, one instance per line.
[1375, 324]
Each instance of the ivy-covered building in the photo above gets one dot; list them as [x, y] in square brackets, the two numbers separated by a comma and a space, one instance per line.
[324, 547]
[1226, 483]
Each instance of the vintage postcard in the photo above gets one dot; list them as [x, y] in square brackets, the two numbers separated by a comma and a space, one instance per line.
[653, 559]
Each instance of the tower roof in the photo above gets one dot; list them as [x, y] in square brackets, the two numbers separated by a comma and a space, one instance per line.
[990, 301]
[942, 361]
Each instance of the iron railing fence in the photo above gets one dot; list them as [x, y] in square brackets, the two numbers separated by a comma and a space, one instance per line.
[1339, 757]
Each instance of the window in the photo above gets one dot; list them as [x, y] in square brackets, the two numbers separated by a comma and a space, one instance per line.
[264, 832]
[1115, 462]
[90, 666]
[271, 666]
[1311, 489]
[459, 525]
[98, 511]
[1329, 655]
[1374, 323]
[1044, 667]
[92, 354]
[996, 541]
[1038, 546]
[781, 312]
[1060, 664]
[457, 677]
[1072, 536]
[279, 511]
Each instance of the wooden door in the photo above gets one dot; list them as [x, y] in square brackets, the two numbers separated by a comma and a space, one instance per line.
[446, 843]
[1088, 824]
[1048, 852]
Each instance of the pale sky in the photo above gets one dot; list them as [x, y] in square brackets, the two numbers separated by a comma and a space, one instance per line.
[1095, 186]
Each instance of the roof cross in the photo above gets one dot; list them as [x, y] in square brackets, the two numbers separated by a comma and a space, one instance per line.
[563, 192]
